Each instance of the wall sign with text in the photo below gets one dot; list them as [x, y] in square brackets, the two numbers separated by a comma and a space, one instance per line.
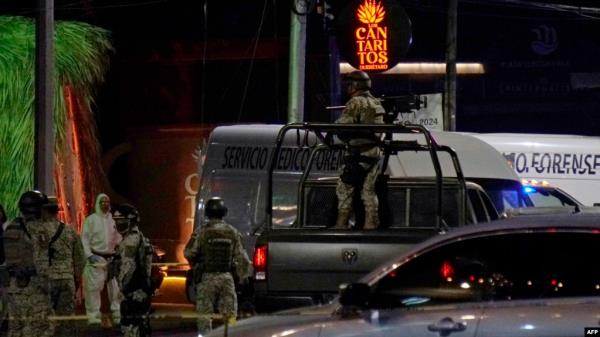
[373, 35]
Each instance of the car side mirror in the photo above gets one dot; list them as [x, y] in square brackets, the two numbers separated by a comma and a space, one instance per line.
[355, 294]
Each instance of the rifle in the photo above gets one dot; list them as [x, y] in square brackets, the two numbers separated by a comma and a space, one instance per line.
[394, 105]
[198, 269]
[51, 250]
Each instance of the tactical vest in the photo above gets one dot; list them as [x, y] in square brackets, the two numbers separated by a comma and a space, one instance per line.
[18, 251]
[217, 245]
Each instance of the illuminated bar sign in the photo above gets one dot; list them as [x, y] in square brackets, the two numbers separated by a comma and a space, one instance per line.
[373, 34]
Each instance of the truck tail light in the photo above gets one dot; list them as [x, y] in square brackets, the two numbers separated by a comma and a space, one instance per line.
[260, 262]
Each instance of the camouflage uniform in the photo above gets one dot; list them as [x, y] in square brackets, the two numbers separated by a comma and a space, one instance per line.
[28, 306]
[216, 287]
[64, 271]
[135, 305]
[362, 108]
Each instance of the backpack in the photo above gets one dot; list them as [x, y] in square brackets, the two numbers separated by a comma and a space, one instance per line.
[18, 252]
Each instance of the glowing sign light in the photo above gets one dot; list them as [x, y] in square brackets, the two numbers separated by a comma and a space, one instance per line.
[371, 38]
[373, 34]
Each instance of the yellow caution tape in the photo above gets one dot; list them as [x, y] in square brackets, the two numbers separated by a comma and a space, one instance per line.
[184, 315]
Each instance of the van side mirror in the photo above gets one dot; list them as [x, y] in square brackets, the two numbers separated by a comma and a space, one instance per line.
[597, 204]
[355, 294]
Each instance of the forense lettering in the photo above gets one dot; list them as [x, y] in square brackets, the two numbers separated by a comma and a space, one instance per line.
[554, 163]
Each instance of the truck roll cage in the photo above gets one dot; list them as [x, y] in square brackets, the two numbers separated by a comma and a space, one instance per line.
[389, 146]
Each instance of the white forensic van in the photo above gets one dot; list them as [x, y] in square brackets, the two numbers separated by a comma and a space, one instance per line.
[569, 162]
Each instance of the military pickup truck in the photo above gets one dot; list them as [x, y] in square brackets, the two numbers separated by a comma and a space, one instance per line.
[235, 166]
[304, 263]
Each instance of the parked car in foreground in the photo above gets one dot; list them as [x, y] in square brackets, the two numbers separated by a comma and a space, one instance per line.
[525, 276]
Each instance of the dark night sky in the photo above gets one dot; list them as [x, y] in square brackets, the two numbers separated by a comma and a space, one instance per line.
[159, 74]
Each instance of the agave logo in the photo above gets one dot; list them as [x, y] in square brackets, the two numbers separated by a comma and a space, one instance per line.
[546, 40]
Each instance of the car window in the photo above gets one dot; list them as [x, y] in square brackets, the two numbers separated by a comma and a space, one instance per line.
[504, 194]
[489, 206]
[398, 208]
[547, 197]
[478, 208]
[502, 267]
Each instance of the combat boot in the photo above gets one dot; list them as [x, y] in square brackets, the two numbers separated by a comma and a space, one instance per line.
[342, 220]
[371, 218]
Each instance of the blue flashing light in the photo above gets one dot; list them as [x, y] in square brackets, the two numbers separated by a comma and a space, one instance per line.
[528, 189]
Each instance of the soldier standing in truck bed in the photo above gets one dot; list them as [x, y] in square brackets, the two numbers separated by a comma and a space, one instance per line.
[361, 165]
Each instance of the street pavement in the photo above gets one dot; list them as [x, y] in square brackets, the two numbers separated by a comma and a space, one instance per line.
[173, 314]
[166, 320]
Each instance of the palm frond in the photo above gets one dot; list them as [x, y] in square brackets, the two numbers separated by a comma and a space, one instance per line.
[81, 54]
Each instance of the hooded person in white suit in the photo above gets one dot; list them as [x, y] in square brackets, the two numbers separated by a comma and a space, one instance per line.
[99, 238]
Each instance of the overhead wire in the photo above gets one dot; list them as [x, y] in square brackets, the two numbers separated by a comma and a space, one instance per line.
[251, 66]
[577, 10]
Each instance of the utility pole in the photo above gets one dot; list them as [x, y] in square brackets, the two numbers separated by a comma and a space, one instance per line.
[44, 97]
[297, 60]
[450, 80]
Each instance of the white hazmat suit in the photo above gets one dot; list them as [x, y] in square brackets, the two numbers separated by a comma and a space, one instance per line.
[99, 238]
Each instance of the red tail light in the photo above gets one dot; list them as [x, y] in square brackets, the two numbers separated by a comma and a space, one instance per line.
[260, 262]
[447, 270]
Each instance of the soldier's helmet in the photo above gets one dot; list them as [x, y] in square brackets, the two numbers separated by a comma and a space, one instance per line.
[31, 202]
[215, 208]
[126, 216]
[359, 79]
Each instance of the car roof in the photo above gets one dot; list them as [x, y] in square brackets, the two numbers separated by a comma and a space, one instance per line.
[589, 221]
[524, 223]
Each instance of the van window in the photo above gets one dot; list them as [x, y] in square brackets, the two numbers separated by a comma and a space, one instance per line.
[239, 194]
[285, 202]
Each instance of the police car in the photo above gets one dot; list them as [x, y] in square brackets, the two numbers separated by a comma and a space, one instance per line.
[569, 162]
[542, 194]
[465, 283]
